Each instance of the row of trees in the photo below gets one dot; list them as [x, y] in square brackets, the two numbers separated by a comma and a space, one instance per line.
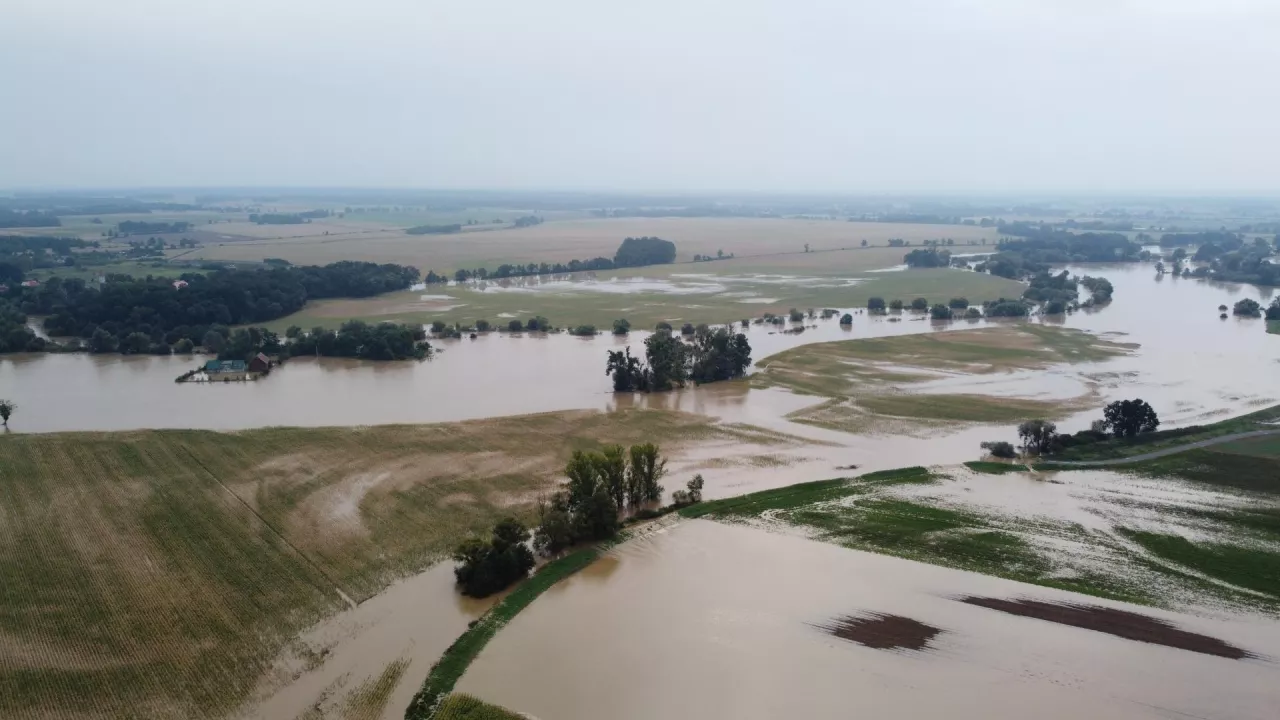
[1023, 258]
[928, 258]
[709, 356]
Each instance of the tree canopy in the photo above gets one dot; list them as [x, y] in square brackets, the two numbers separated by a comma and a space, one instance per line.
[639, 251]
[1127, 418]
[710, 356]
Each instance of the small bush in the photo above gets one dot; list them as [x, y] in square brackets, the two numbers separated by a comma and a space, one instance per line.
[1000, 449]
[584, 331]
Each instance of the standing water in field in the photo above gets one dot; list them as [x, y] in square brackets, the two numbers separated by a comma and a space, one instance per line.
[731, 622]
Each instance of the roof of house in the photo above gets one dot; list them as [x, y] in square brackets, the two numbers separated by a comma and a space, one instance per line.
[214, 366]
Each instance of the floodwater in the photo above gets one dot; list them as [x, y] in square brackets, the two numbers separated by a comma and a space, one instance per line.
[1191, 366]
[415, 620]
[718, 621]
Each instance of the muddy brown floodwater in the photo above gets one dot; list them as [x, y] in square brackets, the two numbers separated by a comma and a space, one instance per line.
[706, 620]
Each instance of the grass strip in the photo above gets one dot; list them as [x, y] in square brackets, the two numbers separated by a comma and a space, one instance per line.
[995, 468]
[454, 662]
[460, 706]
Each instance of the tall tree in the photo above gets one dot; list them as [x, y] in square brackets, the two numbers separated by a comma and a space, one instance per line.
[1127, 418]
[6, 411]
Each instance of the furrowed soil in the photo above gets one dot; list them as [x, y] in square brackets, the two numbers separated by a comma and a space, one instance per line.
[160, 573]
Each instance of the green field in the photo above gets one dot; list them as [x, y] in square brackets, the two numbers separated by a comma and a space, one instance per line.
[160, 572]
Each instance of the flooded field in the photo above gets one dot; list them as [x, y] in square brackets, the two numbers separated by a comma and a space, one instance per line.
[728, 621]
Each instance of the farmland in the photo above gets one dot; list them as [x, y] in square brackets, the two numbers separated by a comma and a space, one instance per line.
[870, 381]
[705, 292]
[562, 241]
[159, 572]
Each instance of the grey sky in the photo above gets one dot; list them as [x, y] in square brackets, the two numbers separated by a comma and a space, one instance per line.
[958, 96]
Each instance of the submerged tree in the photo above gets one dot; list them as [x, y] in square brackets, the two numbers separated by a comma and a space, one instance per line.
[6, 411]
[487, 567]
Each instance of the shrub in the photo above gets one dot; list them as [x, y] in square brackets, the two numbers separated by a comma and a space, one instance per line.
[959, 303]
[940, 312]
[795, 315]
[896, 305]
[663, 326]
[687, 329]
[584, 331]
[846, 319]
[920, 304]
[515, 326]
[621, 327]
[973, 313]
[1000, 449]
[875, 304]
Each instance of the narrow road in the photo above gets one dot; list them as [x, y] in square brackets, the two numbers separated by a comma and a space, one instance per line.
[1166, 451]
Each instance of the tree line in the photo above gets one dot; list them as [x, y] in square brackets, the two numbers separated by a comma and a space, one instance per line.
[153, 307]
[633, 252]
[1034, 254]
[1122, 419]
[710, 356]
[135, 227]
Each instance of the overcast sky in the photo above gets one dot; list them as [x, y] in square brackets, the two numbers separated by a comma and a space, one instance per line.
[878, 96]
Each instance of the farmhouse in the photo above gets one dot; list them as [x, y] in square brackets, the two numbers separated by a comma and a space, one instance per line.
[226, 370]
[259, 363]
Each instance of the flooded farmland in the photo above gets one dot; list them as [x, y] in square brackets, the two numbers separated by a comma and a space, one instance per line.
[1216, 374]
[728, 621]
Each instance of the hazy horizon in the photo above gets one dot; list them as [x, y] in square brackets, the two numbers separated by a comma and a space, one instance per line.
[944, 98]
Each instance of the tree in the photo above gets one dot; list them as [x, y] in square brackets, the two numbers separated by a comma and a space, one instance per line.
[1128, 418]
[876, 304]
[483, 326]
[611, 468]
[1000, 449]
[487, 567]
[1037, 435]
[691, 495]
[940, 312]
[292, 332]
[920, 304]
[896, 305]
[6, 411]
[621, 327]
[795, 315]
[515, 326]
[667, 358]
[846, 319]
[958, 303]
[135, 344]
[213, 341]
[647, 468]
[635, 252]
[864, 243]
[103, 342]
[628, 373]
[1247, 307]
[1273, 310]
[184, 346]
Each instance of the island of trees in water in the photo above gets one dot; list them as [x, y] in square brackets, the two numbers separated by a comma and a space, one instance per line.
[710, 356]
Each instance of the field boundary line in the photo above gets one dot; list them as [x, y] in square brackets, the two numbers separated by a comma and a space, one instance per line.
[336, 587]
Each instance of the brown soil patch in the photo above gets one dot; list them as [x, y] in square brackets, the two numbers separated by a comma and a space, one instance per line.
[1120, 623]
[882, 631]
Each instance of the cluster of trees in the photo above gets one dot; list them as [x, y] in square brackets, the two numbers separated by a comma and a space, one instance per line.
[136, 227]
[641, 251]
[601, 486]
[1017, 259]
[15, 336]
[721, 256]
[164, 314]
[357, 339]
[1247, 307]
[1121, 419]
[1230, 258]
[928, 258]
[20, 254]
[27, 219]
[488, 566]
[527, 221]
[709, 356]
[1057, 292]
[1100, 290]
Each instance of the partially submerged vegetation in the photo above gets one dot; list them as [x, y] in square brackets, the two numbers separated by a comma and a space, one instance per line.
[1167, 550]
[460, 706]
[868, 378]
